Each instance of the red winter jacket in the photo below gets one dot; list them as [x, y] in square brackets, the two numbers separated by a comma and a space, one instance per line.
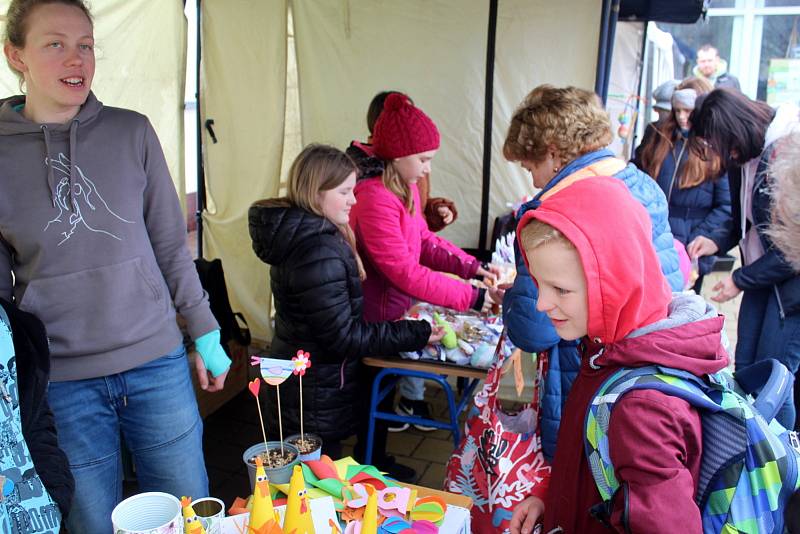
[655, 439]
[402, 257]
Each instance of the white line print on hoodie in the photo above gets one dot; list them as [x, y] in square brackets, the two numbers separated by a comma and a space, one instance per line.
[83, 190]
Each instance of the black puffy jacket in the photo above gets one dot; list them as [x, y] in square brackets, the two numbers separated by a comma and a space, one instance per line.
[318, 308]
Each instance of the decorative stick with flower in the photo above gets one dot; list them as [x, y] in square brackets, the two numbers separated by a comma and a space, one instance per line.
[301, 362]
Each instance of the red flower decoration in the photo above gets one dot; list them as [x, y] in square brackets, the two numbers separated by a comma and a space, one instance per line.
[301, 362]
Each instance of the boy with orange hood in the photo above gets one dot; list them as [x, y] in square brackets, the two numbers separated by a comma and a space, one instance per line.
[589, 250]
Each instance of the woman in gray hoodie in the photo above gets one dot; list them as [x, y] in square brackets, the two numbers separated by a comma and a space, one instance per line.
[92, 241]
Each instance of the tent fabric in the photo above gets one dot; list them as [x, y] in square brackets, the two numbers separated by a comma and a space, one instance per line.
[433, 51]
[348, 51]
[243, 89]
[538, 41]
[140, 49]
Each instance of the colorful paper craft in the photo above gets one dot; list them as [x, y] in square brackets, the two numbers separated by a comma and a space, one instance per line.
[298, 511]
[275, 372]
[191, 523]
[263, 512]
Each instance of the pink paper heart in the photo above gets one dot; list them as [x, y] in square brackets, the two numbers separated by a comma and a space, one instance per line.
[254, 386]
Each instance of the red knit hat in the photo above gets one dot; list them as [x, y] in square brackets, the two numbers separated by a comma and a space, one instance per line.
[403, 129]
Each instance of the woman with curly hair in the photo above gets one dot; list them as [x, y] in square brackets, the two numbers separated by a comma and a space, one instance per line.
[699, 198]
[560, 136]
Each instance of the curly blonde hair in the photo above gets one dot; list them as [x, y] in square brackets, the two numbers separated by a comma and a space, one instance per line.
[571, 119]
[785, 228]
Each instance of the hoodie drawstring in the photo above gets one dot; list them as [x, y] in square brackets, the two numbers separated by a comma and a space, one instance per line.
[51, 179]
[73, 155]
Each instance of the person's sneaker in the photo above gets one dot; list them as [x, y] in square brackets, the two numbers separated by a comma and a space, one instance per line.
[397, 426]
[415, 407]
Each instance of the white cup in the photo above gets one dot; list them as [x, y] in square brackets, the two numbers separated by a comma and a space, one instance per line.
[211, 512]
[148, 513]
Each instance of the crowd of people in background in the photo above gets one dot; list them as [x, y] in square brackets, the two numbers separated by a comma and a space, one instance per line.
[98, 261]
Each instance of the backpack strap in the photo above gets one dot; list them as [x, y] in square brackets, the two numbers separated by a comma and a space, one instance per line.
[669, 381]
[773, 383]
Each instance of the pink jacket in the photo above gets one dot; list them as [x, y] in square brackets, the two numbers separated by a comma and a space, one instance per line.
[402, 257]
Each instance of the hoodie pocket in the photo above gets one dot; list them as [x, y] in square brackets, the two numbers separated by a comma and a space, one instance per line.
[99, 310]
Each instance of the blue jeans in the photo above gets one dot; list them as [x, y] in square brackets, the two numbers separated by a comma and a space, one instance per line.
[412, 388]
[762, 334]
[153, 408]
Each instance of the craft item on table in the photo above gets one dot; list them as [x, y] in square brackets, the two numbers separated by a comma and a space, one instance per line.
[392, 501]
[255, 387]
[298, 512]
[398, 525]
[275, 372]
[369, 525]
[191, 523]
[429, 508]
[262, 511]
[323, 517]
[450, 341]
[476, 336]
[301, 362]
[504, 249]
[482, 357]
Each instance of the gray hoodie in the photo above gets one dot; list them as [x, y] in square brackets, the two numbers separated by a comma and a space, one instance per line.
[92, 230]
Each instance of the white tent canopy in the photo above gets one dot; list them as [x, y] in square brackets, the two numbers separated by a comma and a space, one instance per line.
[347, 50]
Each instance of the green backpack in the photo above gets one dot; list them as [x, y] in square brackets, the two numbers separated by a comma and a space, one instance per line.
[750, 463]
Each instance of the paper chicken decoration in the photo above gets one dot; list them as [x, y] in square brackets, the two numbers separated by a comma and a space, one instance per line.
[370, 523]
[191, 523]
[262, 512]
[298, 511]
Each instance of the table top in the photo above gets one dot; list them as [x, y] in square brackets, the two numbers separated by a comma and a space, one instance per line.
[427, 366]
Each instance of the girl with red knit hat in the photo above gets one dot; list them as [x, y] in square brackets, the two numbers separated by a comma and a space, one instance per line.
[403, 259]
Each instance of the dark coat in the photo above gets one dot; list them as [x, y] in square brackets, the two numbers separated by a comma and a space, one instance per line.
[38, 424]
[318, 308]
[771, 269]
[702, 210]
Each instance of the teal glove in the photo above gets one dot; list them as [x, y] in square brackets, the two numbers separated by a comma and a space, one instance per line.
[217, 362]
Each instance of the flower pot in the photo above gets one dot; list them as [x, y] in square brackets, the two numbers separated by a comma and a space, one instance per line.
[311, 449]
[276, 475]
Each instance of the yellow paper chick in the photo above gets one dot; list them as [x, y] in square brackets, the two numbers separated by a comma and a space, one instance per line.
[298, 510]
[262, 511]
[191, 523]
[369, 525]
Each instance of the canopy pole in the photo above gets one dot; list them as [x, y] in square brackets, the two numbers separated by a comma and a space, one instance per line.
[201, 182]
[487, 125]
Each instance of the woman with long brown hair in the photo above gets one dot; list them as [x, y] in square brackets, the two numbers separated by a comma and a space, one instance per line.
[699, 199]
[315, 276]
[748, 136]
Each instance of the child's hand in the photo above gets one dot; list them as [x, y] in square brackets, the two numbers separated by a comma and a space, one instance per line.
[437, 333]
[490, 274]
[526, 515]
[496, 293]
[445, 213]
